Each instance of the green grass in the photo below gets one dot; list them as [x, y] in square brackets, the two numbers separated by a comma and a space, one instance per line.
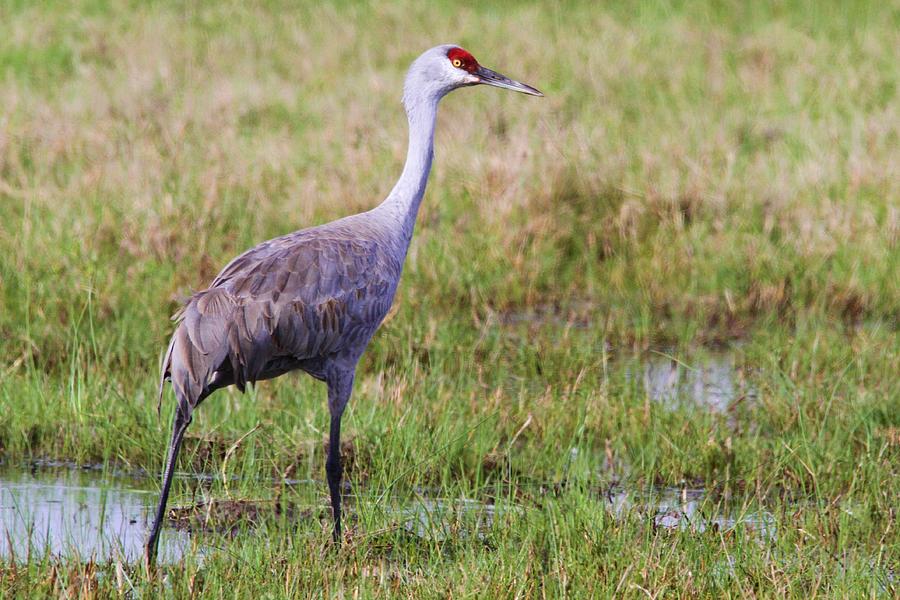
[698, 175]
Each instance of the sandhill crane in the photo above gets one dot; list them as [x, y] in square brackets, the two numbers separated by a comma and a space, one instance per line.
[311, 300]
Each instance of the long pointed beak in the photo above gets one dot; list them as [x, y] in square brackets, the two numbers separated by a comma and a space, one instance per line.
[495, 79]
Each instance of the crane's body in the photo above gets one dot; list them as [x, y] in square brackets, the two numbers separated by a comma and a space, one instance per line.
[311, 300]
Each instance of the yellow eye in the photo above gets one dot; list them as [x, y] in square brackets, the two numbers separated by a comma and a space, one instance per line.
[457, 63]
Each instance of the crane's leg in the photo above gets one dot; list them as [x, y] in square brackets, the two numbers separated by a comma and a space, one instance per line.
[179, 426]
[339, 388]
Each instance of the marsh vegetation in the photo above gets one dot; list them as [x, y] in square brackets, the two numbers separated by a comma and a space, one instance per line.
[704, 184]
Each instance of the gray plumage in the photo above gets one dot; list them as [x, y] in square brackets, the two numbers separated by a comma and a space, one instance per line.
[311, 300]
[293, 302]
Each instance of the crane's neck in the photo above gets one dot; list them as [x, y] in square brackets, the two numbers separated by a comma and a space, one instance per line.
[402, 204]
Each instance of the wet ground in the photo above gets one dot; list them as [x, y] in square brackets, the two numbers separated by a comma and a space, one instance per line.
[79, 513]
[713, 381]
[69, 511]
[87, 514]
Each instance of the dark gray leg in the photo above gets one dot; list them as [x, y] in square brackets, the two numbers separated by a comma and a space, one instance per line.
[179, 426]
[339, 387]
[335, 471]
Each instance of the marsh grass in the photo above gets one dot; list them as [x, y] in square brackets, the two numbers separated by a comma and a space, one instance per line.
[697, 174]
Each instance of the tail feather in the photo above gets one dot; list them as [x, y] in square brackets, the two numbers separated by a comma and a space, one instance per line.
[198, 346]
[216, 330]
[164, 374]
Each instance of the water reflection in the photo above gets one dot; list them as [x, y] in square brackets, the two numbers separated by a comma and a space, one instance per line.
[668, 508]
[712, 381]
[688, 509]
[79, 514]
[438, 519]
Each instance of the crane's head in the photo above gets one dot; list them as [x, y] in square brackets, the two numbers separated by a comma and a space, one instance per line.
[442, 69]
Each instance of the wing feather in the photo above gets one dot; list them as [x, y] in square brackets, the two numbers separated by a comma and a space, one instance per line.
[301, 296]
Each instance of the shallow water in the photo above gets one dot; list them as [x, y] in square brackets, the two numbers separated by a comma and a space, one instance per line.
[666, 508]
[86, 513]
[67, 511]
[713, 381]
[81, 514]
[683, 509]
[441, 518]
[76, 513]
